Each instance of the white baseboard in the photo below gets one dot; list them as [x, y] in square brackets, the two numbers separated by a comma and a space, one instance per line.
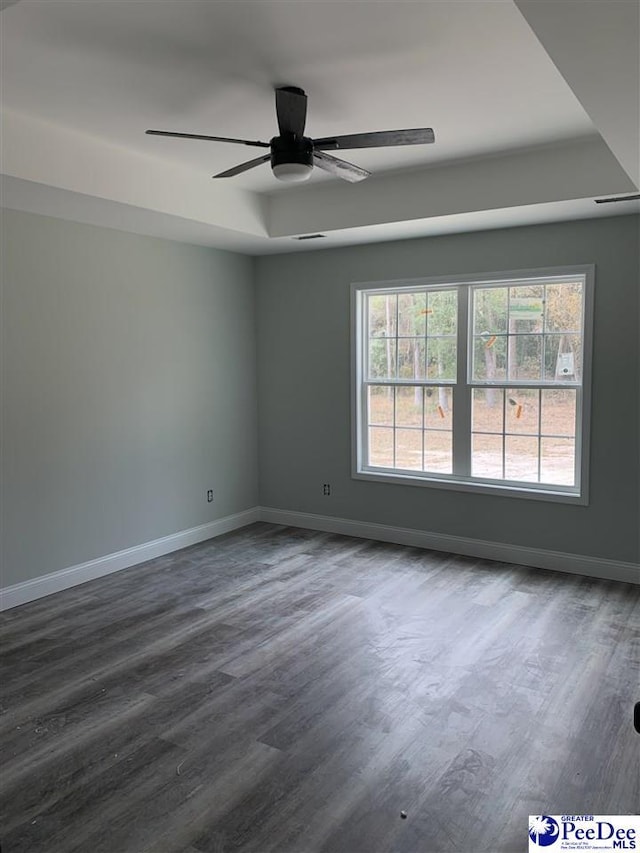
[30, 590]
[536, 557]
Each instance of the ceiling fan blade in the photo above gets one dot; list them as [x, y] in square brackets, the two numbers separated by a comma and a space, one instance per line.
[243, 167]
[414, 136]
[291, 110]
[207, 138]
[340, 168]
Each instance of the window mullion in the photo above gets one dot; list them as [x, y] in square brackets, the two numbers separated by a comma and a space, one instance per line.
[462, 391]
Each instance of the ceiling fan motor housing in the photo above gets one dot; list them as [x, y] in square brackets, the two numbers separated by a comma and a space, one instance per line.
[291, 149]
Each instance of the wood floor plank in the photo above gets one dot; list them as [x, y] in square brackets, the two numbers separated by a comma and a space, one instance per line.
[279, 690]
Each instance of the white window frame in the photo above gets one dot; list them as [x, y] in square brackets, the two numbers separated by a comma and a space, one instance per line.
[578, 494]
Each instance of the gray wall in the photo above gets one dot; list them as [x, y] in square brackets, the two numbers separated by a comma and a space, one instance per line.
[304, 387]
[129, 390]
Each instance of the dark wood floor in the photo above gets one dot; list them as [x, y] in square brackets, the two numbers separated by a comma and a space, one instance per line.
[280, 690]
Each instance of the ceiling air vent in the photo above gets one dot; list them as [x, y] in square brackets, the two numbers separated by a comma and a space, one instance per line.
[617, 198]
[310, 237]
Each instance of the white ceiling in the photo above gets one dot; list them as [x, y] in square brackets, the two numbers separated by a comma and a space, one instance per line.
[529, 125]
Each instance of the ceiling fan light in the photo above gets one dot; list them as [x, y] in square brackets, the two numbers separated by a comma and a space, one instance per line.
[292, 172]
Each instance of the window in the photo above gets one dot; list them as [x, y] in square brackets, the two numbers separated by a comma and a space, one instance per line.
[475, 384]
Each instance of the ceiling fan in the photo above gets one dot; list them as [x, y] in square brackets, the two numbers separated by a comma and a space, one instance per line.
[293, 155]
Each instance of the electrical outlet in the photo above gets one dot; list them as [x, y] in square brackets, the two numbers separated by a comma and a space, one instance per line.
[326, 488]
[209, 496]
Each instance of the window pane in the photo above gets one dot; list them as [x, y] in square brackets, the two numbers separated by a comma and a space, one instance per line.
[490, 358]
[489, 311]
[442, 312]
[409, 449]
[412, 314]
[521, 458]
[409, 406]
[487, 409]
[526, 308]
[557, 461]
[438, 408]
[411, 358]
[438, 452]
[441, 358]
[525, 357]
[486, 456]
[559, 412]
[522, 411]
[382, 315]
[380, 409]
[382, 358]
[563, 358]
[563, 307]
[381, 447]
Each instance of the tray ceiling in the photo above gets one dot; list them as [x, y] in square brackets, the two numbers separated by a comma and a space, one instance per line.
[512, 98]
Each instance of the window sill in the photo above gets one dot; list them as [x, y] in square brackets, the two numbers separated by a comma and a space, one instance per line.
[480, 487]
